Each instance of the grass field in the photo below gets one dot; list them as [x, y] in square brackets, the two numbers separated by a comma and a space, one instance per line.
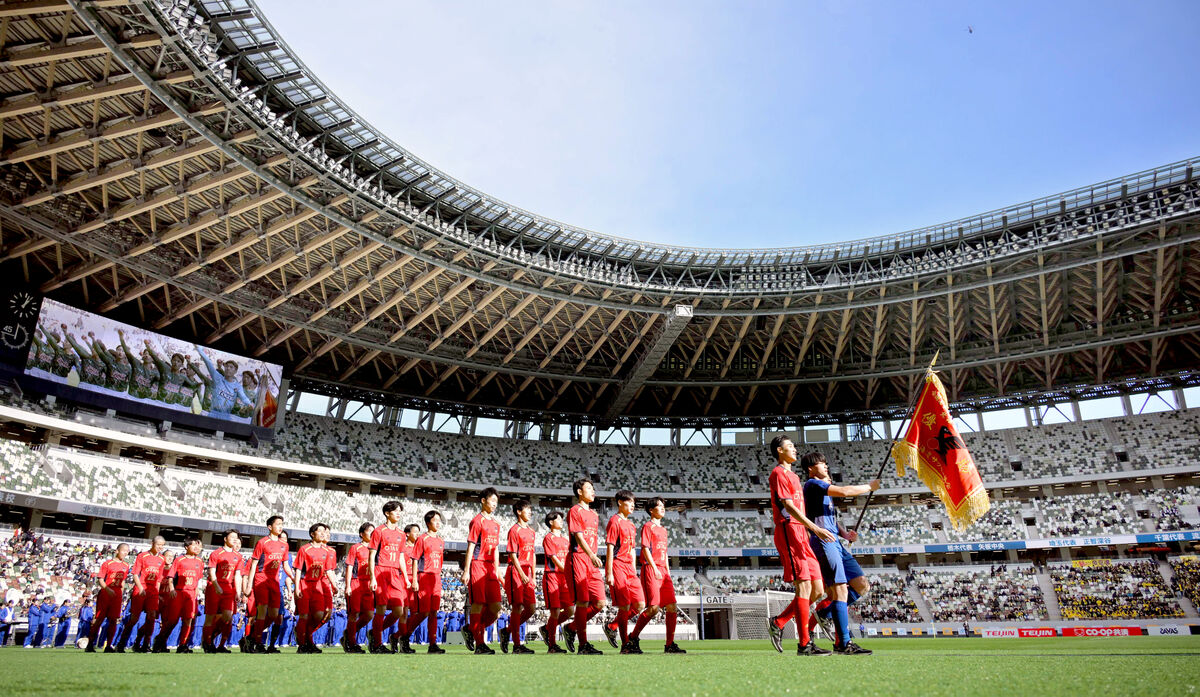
[1024, 667]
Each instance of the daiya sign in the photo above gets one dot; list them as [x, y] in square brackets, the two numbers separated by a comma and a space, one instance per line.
[1102, 631]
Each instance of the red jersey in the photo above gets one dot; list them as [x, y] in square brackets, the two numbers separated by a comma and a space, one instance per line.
[521, 541]
[555, 546]
[785, 486]
[113, 573]
[428, 554]
[357, 559]
[227, 563]
[584, 520]
[654, 538]
[312, 562]
[485, 533]
[186, 572]
[149, 568]
[270, 555]
[621, 535]
[388, 546]
[408, 549]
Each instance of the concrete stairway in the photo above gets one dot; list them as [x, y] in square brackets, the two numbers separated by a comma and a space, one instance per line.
[922, 606]
[1168, 575]
[1047, 585]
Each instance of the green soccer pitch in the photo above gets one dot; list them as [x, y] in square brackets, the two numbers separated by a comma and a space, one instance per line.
[1154, 666]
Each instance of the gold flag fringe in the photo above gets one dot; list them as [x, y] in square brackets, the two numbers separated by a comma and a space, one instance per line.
[974, 507]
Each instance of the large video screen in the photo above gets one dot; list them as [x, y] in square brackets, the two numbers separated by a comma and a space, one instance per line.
[86, 351]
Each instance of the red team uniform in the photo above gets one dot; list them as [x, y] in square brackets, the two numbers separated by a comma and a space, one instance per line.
[108, 600]
[554, 582]
[149, 568]
[586, 582]
[621, 534]
[184, 577]
[251, 604]
[660, 592]
[521, 541]
[485, 587]
[270, 555]
[388, 546]
[428, 552]
[316, 593]
[227, 563]
[362, 598]
[791, 537]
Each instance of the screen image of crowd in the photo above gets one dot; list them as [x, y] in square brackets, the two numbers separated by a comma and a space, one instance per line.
[90, 352]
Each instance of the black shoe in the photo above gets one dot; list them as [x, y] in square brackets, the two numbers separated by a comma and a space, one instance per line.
[434, 648]
[468, 638]
[379, 648]
[272, 649]
[546, 639]
[120, 649]
[183, 649]
[159, 649]
[242, 645]
[636, 644]
[569, 638]
[611, 635]
[626, 649]
[811, 649]
[555, 648]
[484, 650]
[221, 649]
[91, 648]
[394, 643]
[206, 648]
[302, 648]
[851, 649]
[673, 648]
[404, 647]
[775, 633]
[586, 649]
[505, 637]
[313, 648]
[522, 650]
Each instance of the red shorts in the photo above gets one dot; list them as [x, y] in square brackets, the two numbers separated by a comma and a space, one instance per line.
[266, 592]
[429, 595]
[556, 591]
[627, 588]
[182, 605]
[660, 592]
[108, 605]
[485, 587]
[251, 605]
[315, 596]
[799, 562]
[143, 602]
[226, 600]
[585, 581]
[520, 593]
[362, 599]
[391, 591]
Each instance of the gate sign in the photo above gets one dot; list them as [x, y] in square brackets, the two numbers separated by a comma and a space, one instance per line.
[717, 600]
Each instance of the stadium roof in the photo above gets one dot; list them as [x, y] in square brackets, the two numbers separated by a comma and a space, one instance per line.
[176, 164]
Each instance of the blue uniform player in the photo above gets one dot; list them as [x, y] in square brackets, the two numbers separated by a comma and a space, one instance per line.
[8, 614]
[839, 570]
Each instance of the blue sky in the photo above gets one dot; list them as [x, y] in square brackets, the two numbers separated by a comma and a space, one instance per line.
[759, 124]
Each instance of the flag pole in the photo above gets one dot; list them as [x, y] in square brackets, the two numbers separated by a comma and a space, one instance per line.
[912, 403]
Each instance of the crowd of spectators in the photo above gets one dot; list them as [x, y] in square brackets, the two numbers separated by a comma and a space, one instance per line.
[1132, 589]
[998, 593]
[1187, 578]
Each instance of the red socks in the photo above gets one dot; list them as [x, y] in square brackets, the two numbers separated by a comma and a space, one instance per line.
[185, 633]
[207, 633]
[302, 637]
[786, 616]
[802, 622]
[643, 619]
[351, 634]
[671, 617]
[623, 625]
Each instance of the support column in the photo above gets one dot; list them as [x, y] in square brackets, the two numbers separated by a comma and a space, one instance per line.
[1076, 414]
[1126, 405]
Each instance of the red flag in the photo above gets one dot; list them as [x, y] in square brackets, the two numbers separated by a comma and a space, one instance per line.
[933, 447]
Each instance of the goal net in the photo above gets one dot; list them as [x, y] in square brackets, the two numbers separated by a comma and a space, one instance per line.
[751, 612]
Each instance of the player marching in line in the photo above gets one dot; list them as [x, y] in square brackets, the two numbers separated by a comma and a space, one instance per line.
[387, 575]
[800, 567]
[148, 570]
[519, 577]
[406, 625]
[427, 556]
[360, 600]
[584, 574]
[262, 584]
[481, 572]
[182, 596]
[621, 574]
[222, 593]
[113, 573]
[838, 567]
[315, 563]
[657, 584]
[555, 590]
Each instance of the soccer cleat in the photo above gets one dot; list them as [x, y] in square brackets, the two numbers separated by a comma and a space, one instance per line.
[775, 633]
[159, 649]
[555, 648]
[272, 649]
[221, 649]
[434, 648]
[313, 648]
[586, 649]
[484, 650]
[404, 647]
[827, 627]
[394, 642]
[523, 650]
[611, 635]
[505, 637]
[811, 649]
[627, 649]
[851, 649]
[546, 639]
[379, 648]
[120, 649]
[569, 637]
[636, 642]
[673, 648]
[468, 639]
[242, 645]
[183, 649]
[90, 649]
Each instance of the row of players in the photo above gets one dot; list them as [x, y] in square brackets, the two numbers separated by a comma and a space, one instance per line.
[396, 587]
[394, 582]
